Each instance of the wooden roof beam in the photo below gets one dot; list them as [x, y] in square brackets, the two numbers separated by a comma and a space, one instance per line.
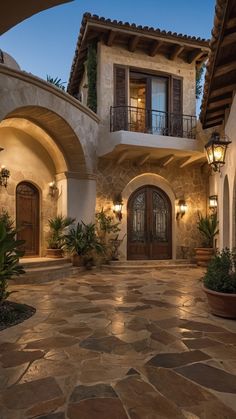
[143, 159]
[220, 103]
[212, 124]
[164, 161]
[194, 56]
[212, 113]
[122, 156]
[133, 43]
[186, 161]
[216, 121]
[154, 49]
[224, 69]
[176, 52]
[231, 23]
[111, 38]
[222, 90]
[229, 39]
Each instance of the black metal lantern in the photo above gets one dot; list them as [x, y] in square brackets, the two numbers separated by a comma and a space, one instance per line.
[4, 176]
[216, 151]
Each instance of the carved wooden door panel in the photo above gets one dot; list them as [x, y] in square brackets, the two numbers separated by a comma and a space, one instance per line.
[149, 225]
[27, 217]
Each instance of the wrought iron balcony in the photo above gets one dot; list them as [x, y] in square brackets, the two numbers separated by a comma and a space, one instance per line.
[129, 118]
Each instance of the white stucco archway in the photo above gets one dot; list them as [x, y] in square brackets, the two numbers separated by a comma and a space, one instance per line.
[136, 183]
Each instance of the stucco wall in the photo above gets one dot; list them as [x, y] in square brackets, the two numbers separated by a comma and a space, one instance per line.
[217, 182]
[108, 56]
[189, 183]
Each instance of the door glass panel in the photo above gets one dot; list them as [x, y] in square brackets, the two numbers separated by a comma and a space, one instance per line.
[159, 105]
[138, 218]
[160, 218]
[137, 110]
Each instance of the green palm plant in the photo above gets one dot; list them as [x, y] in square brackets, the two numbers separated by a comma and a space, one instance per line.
[9, 258]
[208, 227]
[57, 226]
[56, 82]
[82, 240]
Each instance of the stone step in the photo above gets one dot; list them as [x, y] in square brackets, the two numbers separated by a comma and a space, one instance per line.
[42, 262]
[41, 274]
[165, 262]
[149, 264]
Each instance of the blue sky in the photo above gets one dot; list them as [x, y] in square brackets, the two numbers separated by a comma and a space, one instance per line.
[45, 43]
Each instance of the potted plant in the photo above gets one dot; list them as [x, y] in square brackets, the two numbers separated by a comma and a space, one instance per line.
[55, 239]
[220, 284]
[82, 242]
[208, 227]
[107, 230]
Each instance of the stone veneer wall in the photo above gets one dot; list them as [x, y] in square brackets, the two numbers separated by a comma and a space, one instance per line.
[189, 183]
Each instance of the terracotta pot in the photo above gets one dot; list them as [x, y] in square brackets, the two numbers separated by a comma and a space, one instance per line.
[77, 260]
[203, 255]
[54, 253]
[221, 304]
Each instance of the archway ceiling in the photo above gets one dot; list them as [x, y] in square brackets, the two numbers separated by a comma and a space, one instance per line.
[41, 137]
[13, 12]
[59, 130]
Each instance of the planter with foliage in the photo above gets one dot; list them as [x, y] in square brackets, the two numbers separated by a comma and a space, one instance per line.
[208, 227]
[55, 239]
[83, 244]
[220, 284]
[107, 230]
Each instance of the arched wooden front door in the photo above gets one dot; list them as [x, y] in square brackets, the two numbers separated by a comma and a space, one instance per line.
[27, 217]
[149, 225]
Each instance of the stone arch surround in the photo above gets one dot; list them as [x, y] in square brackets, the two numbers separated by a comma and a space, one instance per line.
[73, 126]
[136, 183]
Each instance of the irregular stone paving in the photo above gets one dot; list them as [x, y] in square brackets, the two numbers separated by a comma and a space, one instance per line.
[119, 345]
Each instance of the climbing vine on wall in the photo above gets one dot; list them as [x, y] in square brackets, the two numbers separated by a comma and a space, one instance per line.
[92, 77]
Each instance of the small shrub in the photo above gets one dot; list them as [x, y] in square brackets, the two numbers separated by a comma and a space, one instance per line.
[221, 275]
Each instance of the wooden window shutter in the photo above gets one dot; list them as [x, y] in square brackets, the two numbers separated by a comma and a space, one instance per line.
[120, 114]
[121, 86]
[176, 118]
[177, 96]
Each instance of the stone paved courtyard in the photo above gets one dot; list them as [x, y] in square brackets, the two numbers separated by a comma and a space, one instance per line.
[118, 345]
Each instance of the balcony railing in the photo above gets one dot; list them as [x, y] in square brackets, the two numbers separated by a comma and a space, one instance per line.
[129, 118]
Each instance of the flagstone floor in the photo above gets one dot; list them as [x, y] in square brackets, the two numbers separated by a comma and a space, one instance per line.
[118, 345]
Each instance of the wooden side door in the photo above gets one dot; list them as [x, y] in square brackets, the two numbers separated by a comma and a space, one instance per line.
[27, 217]
[149, 229]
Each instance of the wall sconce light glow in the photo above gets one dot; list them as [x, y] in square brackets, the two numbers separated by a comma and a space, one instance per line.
[4, 176]
[216, 151]
[182, 208]
[117, 207]
[213, 202]
[52, 189]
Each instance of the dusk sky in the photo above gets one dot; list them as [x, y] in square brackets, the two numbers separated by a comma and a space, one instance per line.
[45, 43]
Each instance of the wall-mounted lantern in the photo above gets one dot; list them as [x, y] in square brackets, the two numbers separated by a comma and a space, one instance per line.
[53, 189]
[182, 208]
[4, 176]
[216, 151]
[117, 206]
[213, 202]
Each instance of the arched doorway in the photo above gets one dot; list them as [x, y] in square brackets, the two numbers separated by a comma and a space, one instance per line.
[27, 217]
[149, 229]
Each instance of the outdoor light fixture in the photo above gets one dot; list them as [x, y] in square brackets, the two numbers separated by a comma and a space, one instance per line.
[53, 189]
[117, 207]
[216, 151]
[4, 176]
[182, 207]
[213, 202]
